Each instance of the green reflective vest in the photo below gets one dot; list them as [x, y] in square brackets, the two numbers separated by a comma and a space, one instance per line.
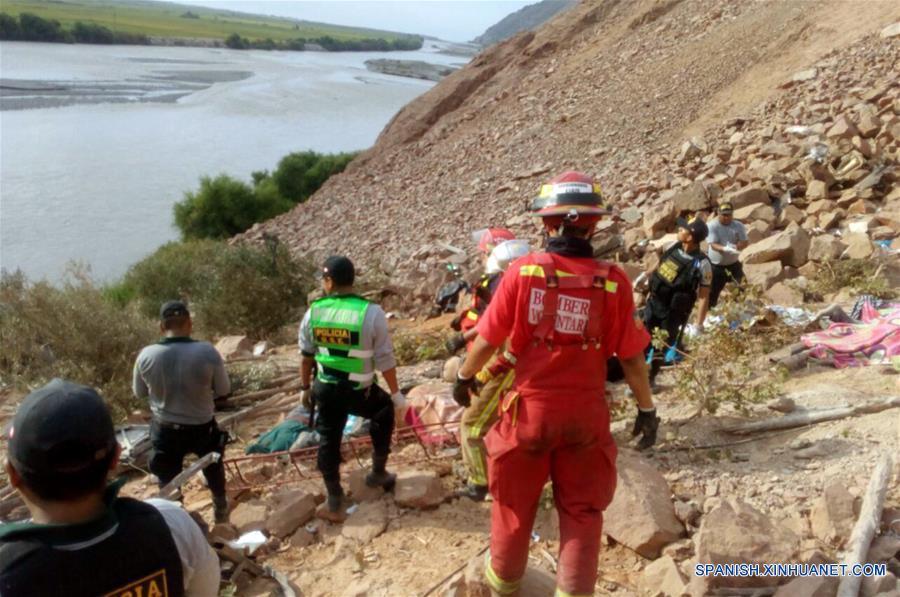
[337, 330]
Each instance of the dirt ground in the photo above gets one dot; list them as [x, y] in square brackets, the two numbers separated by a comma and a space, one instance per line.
[779, 473]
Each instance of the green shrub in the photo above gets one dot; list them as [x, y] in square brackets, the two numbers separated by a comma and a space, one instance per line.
[223, 207]
[9, 27]
[71, 331]
[300, 174]
[230, 289]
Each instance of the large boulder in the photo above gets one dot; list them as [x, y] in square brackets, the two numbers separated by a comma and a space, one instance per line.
[754, 212]
[764, 275]
[747, 196]
[249, 516]
[790, 247]
[858, 246]
[693, 198]
[734, 532]
[233, 347]
[287, 518]
[367, 522]
[662, 578]
[659, 217]
[832, 515]
[784, 295]
[772, 248]
[641, 515]
[419, 489]
[825, 248]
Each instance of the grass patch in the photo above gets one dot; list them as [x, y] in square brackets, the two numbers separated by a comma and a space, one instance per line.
[161, 19]
[862, 276]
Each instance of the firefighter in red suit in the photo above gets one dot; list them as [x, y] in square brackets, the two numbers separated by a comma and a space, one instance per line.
[564, 314]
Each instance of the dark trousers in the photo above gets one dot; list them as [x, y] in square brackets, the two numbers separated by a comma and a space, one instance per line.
[721, 275]
[671, 318]
[171, 443]
[334, 403]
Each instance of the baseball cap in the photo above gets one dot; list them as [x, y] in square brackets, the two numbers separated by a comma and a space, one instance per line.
[173, 309]
[726, 208]
[696, 226]
[62, 428]
[340, 269]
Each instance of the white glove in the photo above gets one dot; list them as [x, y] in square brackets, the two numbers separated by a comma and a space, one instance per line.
[730, 248]
[398, 399]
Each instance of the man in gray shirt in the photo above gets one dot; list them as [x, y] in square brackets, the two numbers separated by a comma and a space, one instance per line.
[344, 337]
[727, 238]
[182, 377]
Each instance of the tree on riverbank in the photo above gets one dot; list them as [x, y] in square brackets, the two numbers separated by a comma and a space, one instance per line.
[224, 206]
[329, 43]
[30, 27]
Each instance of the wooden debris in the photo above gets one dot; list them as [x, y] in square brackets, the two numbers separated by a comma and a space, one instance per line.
[812, 417]
[181, 478]
[866, 525]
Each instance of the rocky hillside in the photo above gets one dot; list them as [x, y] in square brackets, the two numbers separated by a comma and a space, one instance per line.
[788, 107]
[525, 19]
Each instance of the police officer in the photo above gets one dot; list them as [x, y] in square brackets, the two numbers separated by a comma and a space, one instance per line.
[82, 539]
[563, 314]
[684, 275]
[345, 338]
[182, 377]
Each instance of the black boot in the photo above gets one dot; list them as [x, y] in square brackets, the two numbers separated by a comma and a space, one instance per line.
[379, 477]
[220, 508]
[335, 494]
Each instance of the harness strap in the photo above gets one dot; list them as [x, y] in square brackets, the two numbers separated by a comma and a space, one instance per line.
[545, 329]
[597, 281]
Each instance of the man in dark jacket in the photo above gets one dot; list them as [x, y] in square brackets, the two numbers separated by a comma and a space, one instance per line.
[83, 540]
[684, 275]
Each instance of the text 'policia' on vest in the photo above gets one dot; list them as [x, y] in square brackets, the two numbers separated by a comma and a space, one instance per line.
[337, 324]
[677, 272]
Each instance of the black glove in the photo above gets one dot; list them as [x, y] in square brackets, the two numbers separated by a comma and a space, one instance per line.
[461, 391]
[456, 323]
[454, 343]
[646, 424]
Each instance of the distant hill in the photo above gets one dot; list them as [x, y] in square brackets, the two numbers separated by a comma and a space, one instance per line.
[524, 19]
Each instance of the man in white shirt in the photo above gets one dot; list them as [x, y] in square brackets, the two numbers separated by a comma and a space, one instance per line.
[727, 238]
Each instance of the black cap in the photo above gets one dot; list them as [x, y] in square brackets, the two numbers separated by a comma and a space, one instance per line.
[726, 208]
[173, 309]
[62, 428]
[696, 227]
[339, 269]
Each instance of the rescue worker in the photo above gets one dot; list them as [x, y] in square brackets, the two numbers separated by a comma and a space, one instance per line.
[496, 378]
[684, 275]
[345, 338]
[466, 321]
[727, 238]
[83, 540]
[563, 314]
[182, 377]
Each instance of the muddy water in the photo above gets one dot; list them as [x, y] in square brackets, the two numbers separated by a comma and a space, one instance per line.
[97, 143]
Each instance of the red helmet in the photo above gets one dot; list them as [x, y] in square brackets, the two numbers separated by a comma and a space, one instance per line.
[491, 237]
[570, 195]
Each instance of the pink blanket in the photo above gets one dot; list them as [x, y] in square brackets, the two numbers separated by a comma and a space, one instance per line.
[874, 341]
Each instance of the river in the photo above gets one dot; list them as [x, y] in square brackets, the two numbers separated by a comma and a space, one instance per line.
[98, 142]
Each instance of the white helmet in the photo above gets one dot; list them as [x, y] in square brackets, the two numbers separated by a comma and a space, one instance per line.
[505, 253]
